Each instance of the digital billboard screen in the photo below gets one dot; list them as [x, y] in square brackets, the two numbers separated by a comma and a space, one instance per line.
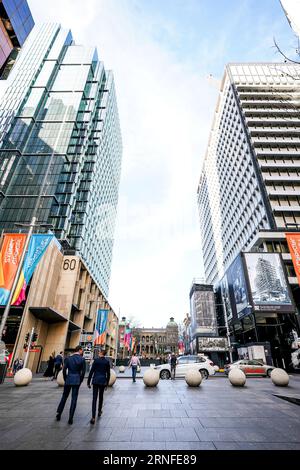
[237, 282]
[268, 284]
[226, 297]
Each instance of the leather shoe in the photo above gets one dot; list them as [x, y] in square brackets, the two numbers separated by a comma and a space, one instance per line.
[70, 421]
[99, 413]
[58, 417]
[92, 421]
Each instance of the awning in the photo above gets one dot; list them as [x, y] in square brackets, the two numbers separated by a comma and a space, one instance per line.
[47, 314]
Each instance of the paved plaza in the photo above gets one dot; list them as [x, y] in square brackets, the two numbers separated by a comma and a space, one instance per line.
[170, 416]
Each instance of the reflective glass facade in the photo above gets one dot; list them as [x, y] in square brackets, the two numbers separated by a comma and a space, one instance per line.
[61, 146]
[16, 22]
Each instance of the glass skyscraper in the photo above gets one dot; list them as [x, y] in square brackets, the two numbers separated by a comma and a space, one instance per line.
[16, 22]
[60, 146]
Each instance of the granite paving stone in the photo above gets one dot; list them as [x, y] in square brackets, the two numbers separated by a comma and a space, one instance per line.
[171, 416]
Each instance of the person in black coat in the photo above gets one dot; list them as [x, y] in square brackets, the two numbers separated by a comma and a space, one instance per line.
[99, 375]
[49, 371]
[73, 372]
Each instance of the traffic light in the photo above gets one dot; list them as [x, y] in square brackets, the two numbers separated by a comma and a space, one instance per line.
[34, 337]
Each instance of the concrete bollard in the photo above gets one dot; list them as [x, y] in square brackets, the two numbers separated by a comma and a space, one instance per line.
[23, 377]
[60, 379]
[237, 377]
[151, 377]
[193, 378]
[280, 377]
[113, 378]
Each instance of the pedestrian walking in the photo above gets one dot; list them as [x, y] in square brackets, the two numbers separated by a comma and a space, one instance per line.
[58, 363]
[173, 363]
[134, 363]
[99, 375]
[50, 366]
[73, 372]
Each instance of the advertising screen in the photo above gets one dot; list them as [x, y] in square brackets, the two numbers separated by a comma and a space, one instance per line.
[226, 297]
[212, 344]
[237, 281]
[268, 284]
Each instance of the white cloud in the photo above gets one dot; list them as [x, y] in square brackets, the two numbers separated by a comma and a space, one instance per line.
[165, 107]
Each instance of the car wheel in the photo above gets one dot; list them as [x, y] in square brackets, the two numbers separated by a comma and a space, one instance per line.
[204, 373]
[269, 372]
[165, 374]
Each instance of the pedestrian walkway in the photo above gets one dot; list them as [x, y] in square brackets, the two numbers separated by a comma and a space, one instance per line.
[170, 416]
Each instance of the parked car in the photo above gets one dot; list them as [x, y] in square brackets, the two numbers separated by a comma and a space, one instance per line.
[250, 367]
[200, 363]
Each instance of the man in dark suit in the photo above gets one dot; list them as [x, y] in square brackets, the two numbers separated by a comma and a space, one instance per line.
[75, 365]
[100, 375]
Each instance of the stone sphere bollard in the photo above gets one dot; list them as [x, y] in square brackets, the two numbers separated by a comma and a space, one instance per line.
[60, 379]
[113, 378]
[23, 377]
[237, 377]
[151, 378]
[121, 369]
[193, 378]
[217, 368]
[280, 377]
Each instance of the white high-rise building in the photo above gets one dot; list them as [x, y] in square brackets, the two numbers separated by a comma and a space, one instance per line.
[249, 189]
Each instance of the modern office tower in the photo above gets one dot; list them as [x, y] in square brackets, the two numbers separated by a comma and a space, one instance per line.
[251, 172]
[16, 22]
[60, 146]
[248, 198]
[204, 329]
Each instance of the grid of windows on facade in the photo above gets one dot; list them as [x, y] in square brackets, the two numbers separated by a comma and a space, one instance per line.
[16, 22]
[252, 160]
[68, 165]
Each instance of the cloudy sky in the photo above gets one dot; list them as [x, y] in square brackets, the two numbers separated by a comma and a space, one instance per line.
[168, 57]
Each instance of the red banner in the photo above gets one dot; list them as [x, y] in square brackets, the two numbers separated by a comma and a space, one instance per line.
[11, 252]
[293, 240]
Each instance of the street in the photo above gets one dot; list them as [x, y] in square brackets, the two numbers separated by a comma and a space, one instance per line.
[171, 416]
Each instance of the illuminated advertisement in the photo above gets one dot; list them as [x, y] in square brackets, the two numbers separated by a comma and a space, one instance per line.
[268, 284]
[237, 282]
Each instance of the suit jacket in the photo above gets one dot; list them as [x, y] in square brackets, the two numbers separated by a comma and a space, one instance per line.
[100, 372]
[74, 370]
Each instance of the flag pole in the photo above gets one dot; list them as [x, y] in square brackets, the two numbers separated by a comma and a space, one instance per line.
[17, 277]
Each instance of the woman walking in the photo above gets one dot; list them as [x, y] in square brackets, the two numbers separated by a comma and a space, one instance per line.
[134, 363]
[99, 375]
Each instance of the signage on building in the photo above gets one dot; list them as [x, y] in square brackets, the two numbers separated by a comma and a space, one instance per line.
[86, 337]
[237, 282]
[268, 285]
[212, 344]
[293, 240]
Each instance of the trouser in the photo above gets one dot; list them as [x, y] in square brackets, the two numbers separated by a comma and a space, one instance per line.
[97, 390]
[134, 369]
[173, 372]
[66, 393]
[57, 368]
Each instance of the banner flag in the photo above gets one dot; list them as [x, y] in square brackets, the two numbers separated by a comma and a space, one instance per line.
[10, 255]
[37, 246]
[293, 240]
[100, 328]
[127, 338]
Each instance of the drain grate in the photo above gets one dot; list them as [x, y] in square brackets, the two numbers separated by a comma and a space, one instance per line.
[294, 400]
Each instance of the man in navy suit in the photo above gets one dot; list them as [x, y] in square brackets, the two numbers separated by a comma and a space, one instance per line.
[100, 375]
[73, 372]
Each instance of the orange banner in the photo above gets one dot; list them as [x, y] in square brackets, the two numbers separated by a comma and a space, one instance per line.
[293, 240]
[11, 252]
